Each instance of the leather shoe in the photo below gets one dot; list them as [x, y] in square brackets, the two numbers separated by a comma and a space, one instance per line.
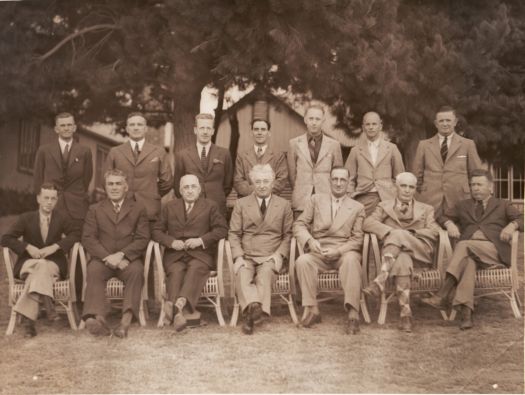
[466, 319]
[256, 311]
[121, 331]
[434, 301]
[247, 325]
[372, 290]
[352, 326]
[310, 320]
[405, 324]
[168, 313]
[97, 327]
[179, 321]
[29, 329]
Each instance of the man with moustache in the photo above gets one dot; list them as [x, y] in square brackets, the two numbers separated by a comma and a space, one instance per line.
[373, 165]
[260, 153]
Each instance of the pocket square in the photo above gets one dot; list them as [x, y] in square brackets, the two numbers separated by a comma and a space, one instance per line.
[155, 159]
[461, 156]
[215, 160]
[76, 159]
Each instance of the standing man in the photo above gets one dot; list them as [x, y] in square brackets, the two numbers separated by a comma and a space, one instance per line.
[41, 255]
[260, 233]
[261, 153]
[373, 165]
[146, 166]
[67, 165]
[311, 157]
[443, 164]
[329, 230]
[189, 229]
[408, 231]
[211, 164]
[484, 226]
[116, 234]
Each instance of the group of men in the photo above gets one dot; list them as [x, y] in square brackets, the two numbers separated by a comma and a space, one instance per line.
[331, 207]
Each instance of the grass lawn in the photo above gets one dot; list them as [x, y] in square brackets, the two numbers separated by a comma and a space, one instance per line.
[436, 357]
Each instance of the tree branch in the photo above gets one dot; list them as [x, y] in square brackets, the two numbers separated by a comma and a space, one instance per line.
[73, 35]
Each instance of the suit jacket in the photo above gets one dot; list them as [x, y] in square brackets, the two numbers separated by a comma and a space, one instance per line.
[149, 179]
[344, 232]
[251, 235]
[245, 162]
[204, 220]
[104, 233]
[364, 175]
[498, 214]
[384, 219]
[444, 182]
[27, 226]
[72, 181]
[216, 181]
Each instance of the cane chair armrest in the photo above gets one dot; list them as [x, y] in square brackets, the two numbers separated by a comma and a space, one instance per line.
[374, 244]
[220, 266]
[147, 265]
[160, 290]
[514, 259]
[444, 252]
[291, 266]
[229, 259]
[364, 260]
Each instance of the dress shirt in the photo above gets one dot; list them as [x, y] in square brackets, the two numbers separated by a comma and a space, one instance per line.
[140, 143]
[336, 204]
[45, 220]
[263, 147]
[449, 139]
[259, 200]
[373, 149]
[199, 149]
[63, 144]
[119, 203]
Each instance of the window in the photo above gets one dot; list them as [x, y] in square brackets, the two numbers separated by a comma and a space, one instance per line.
[28, 142]
[509, 182]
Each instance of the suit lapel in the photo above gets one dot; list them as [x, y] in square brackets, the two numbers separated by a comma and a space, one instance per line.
[195, 211]
[323, 151]
[381, 152]
[212, 156]
[56, 153]
[127, 152]
[146, 150]
[194, 156]
[455, 143]
[267, 156]
[435, 148]
[73, 154]
[253, 210]
[107, 208]
[389, 209]
[35, 226]
[417, 211]
[127, 205]
[302, 144]
[491, 206]
[365, 153]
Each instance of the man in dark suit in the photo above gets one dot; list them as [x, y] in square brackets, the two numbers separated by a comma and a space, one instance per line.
[484, 226]
[211, 164]
[189, 229]
[116, 234]
[146, 166]
[68, 165]
[41, 254]
[260, 233]
[260, 153]
[443, 164]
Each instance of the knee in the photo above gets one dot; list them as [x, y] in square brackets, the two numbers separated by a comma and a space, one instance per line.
[135, 269]
[302, 262]
[395, 236]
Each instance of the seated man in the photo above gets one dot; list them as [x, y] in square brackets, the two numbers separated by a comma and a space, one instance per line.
[189, 228]
[116, 234]
[329, 229]
[260, 233]
[41, 255]
[486, 225]
[408, 231]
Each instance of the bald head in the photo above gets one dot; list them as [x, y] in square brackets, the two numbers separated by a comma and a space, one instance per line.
[406, 186]
[190, 188]
[372, 125]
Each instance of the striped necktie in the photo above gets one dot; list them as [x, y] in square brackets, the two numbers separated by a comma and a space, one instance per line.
[444, 149]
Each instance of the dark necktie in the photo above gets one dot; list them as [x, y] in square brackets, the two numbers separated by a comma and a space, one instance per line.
[203, 158]
[259, 152]
[403, 208]
[188, 208]
[65, 154]
[263, 207]
[311, 147]
[116, 209]
[136, 152]
[479, 209]
[444, 149]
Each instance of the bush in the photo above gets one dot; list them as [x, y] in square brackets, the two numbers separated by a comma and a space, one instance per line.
[16, 202]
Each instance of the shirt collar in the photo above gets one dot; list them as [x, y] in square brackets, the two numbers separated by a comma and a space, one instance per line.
[263, 147]
[316, 138]
[140, 142]
[398, 203]
[449, 137]
[199, 147]
[485, 202]
[267, 198]
[42, 215]
[63, 144]
[337, 198]
[374, 143]
[119, 203]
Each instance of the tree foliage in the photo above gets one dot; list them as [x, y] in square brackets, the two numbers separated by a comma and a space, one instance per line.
[402, 58]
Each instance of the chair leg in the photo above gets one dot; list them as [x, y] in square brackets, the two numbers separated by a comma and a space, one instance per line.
[12, 322]
[517, 296]
[452, 315]
[514, 304]
[291, 307]
[142, 318]
[382, 309]
[218, 311]
[235, 313]
[146, 309]
[444, 315]
[364, 310]
[160, 323]
[71, 315]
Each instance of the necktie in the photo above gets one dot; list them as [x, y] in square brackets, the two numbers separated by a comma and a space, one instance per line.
[479, 209]
[188, 208]
[403, 207]
[259, 152]
[203, 158]
[65, 154]
[136, 152]
[444, 149]
[116, 209]
[311, 147]
[263, 207]
[335, 208]
[44, 228]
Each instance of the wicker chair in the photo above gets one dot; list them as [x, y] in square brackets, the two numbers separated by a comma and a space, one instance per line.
[500, 281]
[427, 280]
[283, 287]
[211, 294]
[329, 283]
[115, 287]
[64, 291]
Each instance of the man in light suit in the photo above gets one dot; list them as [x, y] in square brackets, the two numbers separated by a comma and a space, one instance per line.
[373, 165]
[484, 226]
[189, 229]
[146, 166]
[443, 164]
[210, 163]
[116, 234]
[69, 166]
[311, 157]
[261, 153]
[41, 255]
[260, 233]
[408, 231]
[329, 230]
